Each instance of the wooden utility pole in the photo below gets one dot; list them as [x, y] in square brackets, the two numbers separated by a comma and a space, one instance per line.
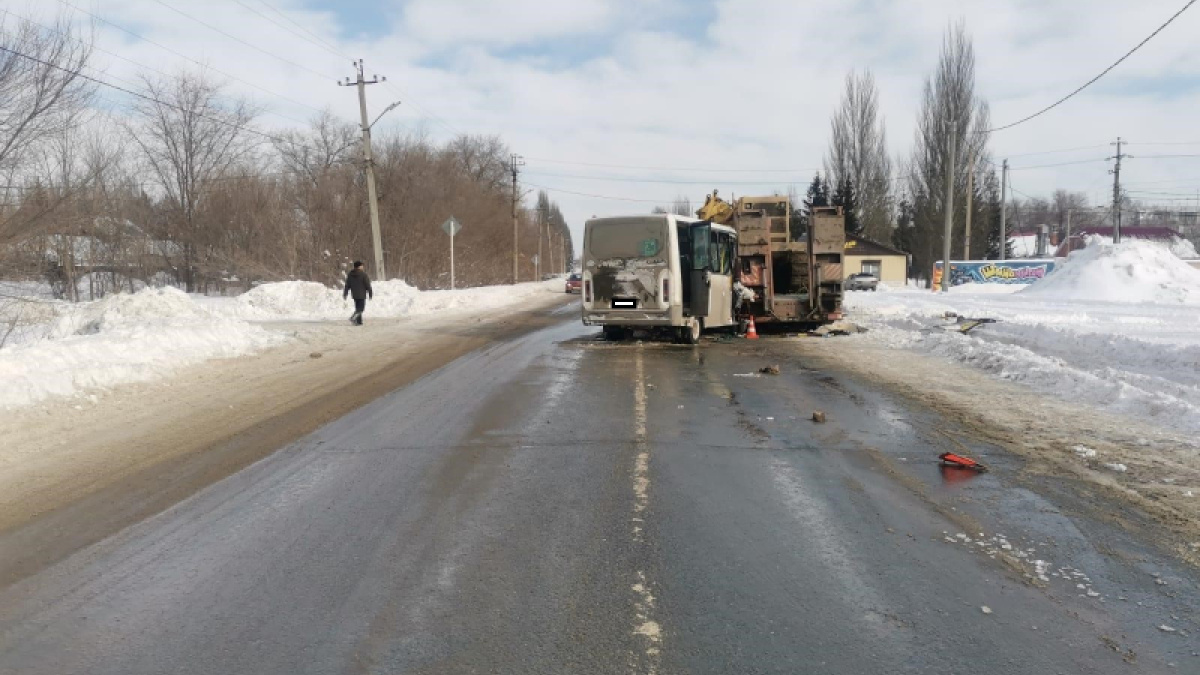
[369, 162]
[970, 202]
[514, 162]
[948, 231]
[1003, 210]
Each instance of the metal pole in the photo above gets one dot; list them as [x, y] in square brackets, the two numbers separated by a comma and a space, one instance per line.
[1117, 195]
[1003, 210]
[515, 162]
[451, 258]
[1068, 241]
[949, 208]
[970, 202]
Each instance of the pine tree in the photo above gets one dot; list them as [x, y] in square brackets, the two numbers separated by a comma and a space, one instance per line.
[844, 197]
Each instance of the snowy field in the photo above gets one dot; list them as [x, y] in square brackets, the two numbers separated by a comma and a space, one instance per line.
[1113, 327]
[59, 349]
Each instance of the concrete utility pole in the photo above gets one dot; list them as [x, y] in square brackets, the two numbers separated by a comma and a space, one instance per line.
[970, 202]
[515, 162]
[1116, 172]
[1068, 237]
[1003, 210]
[949, 208]
[369, 161]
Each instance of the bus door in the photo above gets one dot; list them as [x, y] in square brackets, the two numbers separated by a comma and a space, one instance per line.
[722, 248]
[699, 274]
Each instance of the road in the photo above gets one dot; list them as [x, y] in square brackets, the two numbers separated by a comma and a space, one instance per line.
[550, 503]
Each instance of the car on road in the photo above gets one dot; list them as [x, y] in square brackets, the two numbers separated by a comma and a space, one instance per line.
[575, 283]
[863, 281]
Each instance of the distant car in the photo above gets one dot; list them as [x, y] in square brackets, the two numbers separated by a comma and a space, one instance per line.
[575, 283]
[862, 281]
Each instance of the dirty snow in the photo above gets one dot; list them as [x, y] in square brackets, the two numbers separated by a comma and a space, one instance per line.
[1116, 327]
[59, 349]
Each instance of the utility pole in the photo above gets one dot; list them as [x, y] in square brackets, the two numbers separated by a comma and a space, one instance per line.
[514, 162]
[369, 161]
[970, 202]
[1116, 172]
[1003, 210]
[1068, 238]
[948, 205]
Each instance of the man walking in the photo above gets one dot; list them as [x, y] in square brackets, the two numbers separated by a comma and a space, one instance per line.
[358, 285]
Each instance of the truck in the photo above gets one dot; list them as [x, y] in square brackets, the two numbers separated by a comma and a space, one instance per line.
[794, 278]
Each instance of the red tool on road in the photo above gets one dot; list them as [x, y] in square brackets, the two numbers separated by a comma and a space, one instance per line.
[951, 459]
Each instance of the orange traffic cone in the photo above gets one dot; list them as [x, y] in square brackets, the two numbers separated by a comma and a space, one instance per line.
[751, 332]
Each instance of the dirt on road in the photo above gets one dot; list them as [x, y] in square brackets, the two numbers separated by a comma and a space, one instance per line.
[1066, 445]
[73, 474]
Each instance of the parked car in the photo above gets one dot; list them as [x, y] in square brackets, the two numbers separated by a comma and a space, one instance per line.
[863, 281]
[575, 283]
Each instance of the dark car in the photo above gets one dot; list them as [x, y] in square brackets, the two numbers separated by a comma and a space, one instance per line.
[575, 283]
[862, 281]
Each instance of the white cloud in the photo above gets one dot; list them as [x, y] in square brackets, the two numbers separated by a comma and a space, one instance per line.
[737, 83]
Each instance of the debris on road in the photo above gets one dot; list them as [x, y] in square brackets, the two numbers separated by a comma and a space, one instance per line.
[1167, 629]
[951, 459]
[769, 370]
[985, 609]
[315, 355]
[838, 328]
[1119, 468]
[818, 417]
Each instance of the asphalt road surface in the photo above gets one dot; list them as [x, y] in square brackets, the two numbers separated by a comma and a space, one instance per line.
[556, 504]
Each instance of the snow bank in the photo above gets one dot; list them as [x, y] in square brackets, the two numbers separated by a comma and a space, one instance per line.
[123, 338]
[305, 300]
[64, 349]
[1184, 249]
[1133, 271]
[1138, 359]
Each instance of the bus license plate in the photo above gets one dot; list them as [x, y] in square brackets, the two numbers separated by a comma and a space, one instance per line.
[620, 303]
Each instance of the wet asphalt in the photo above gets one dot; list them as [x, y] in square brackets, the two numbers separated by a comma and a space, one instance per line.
[557, 504]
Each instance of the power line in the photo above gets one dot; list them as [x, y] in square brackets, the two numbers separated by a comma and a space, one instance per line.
[1051, 152]
[1047, 166]
[664, 168]
[185, 57]
[248, 44]
[302, 37]
[634, 179]
[287, 18]
[599, 196]
[131, 92]
[1102, 73]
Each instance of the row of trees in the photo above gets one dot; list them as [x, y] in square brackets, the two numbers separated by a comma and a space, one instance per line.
[182, 188]
[906, 206]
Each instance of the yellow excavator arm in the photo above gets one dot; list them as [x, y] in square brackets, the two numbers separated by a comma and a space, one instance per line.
[715, 209]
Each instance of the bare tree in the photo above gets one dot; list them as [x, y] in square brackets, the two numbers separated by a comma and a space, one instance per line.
[949, 107]
[189, 136]
[682, 206]
[858, 156]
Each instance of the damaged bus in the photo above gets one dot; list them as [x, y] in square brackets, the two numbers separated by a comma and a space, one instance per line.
[659, 271]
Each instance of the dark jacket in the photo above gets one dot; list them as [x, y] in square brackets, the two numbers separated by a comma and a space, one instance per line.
[358, 285]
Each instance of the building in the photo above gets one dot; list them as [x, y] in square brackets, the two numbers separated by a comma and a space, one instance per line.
[890, 265]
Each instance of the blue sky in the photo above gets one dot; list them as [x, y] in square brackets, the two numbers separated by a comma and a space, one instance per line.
[727, 94]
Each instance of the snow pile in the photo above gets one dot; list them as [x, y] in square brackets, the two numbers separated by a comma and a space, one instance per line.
[1132, 271]
[1184, 248]
[1137, 359]
[123, 338]
[306, 300]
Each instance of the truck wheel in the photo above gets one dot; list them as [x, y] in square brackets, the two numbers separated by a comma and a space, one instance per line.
[614, 333]
[693, 331]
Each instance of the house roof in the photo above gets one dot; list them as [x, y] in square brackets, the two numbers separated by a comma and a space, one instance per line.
[863, 246]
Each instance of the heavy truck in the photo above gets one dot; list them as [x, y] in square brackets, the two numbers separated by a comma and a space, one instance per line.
[730, 264]
[796, 280]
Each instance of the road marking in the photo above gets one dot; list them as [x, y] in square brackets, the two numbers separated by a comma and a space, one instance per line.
[646, 630]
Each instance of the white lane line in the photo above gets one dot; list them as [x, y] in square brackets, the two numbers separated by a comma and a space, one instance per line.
[646, 630]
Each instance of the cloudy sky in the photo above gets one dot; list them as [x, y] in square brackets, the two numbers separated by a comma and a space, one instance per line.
[634, 102]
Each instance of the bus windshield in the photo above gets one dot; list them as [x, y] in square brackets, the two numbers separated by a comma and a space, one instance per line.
[627, 238]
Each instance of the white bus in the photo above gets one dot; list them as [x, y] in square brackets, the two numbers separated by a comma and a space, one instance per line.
[658, 271]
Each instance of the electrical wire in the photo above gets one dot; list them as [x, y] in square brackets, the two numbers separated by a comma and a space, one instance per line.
[185, 57]
[633, 179]
[664, 168]
[137, 94]
[599, 196]
[1047, 166]
[1102, 73]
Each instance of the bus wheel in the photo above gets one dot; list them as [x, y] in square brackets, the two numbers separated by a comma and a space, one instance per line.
[693, 331]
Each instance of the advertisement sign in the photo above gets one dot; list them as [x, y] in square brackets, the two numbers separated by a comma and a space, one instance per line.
[993, 271]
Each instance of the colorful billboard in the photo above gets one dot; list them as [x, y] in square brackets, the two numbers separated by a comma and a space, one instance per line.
[993, 271]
